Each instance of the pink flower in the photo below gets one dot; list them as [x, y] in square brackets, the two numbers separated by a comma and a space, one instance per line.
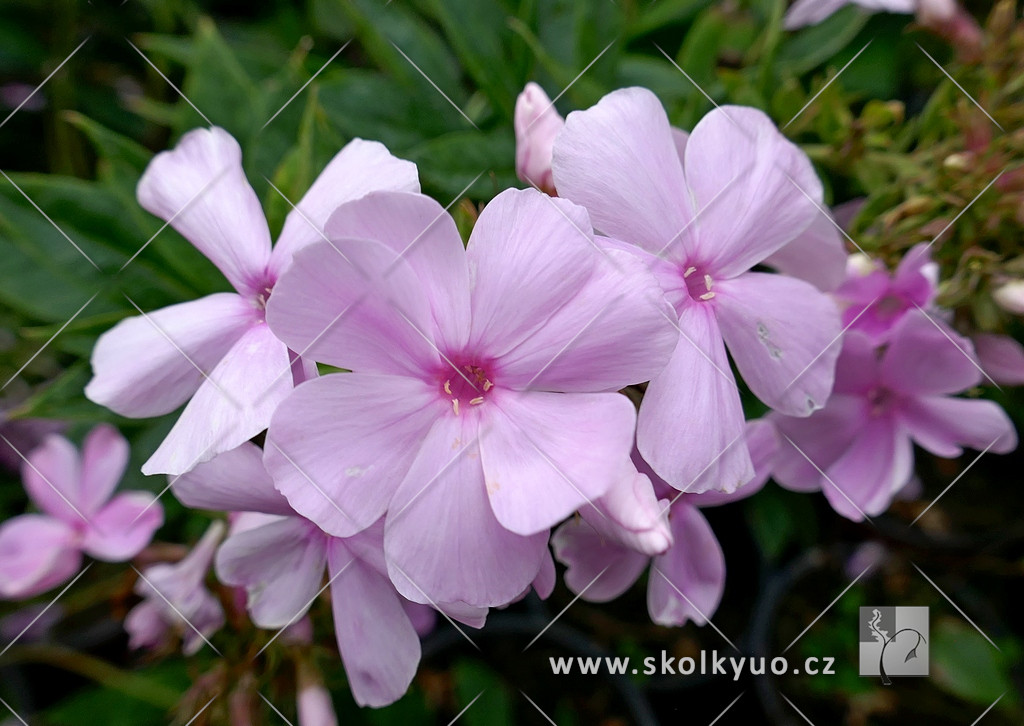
[1010, 297]
[874, 301]
[812, 12]
[701, 219]
[216, 353]
[175, 599]
[1001, 357]
[280, 559]
[687, 578]
[537, 123]
[861, 442]
[40, 551]
[483, 406]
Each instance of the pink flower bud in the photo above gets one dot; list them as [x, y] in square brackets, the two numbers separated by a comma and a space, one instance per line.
[537, 123]
[314, 701]
[1010, 297]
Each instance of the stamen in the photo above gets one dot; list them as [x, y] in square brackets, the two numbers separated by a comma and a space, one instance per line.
[448, 387]
[476, 401]
[488, 386]
[689, 271]
[455, 406]
[707, 282]
[707, 296]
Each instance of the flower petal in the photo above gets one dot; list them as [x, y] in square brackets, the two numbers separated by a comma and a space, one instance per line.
[419, 231]
[598, 569]
[122, 528]
[1001, 357]
[340, 445]
[545, 455]
[233, 404]
[52, 475]
[104, 460]
[200, 188]
[149, 365]
[817, 256]
[877, 464]
[618, 159]
[763, 443]
[378, 644]
[690, 426]
[822, 438]
[615, 332]
[943, 425]
[926, 357]
[784, 336]
[442, 540]
[36, 553]
[280, 564]
[687, 582]
[352, 304]
[754, 189]
[235, 481]
[359, 168]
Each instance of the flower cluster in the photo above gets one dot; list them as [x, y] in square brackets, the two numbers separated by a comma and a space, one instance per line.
[428, 424]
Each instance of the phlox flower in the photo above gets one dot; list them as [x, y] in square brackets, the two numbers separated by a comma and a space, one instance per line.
[812, 12]
[537, 123]
[280, 558]
[78, 513]
[482, 406]
[687, 578]
[216, 353]
[701, 211]
[176, 600]
[885, 400]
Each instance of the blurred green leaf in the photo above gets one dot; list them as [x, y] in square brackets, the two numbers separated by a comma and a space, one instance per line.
[966, 665]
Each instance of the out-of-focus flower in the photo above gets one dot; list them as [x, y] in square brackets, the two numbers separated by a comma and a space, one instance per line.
[175, 599]
[874, 301]
[741, 192]
[22, 96]
[883, 401]
[22, 434]
[687, 578]
[79, 514]
[812, 12]
[1010, 297]
[314, 700]
[280, 558]
[537, 123]
[482, 408]
[217, 353]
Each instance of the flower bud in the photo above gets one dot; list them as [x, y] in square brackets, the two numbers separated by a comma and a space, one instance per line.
[1010, 297]
[537, 123]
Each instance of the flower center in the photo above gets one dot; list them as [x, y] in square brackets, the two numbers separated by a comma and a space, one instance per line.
[880, 400]
[262, 297]
[465, 385]
[698, 284]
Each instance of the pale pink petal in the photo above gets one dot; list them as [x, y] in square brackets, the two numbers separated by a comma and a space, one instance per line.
[807, 445]
[104, 459]
[280, 564]
[783, 335]
[926, 357]
[618, 159]
[690, 426]
[544, 583]
[378, 644]
[687, 582]
[545, 455]
[618, 330]
[631, 513]
[233, 404]
[145, 625]
[419, 231]
[878, 463]
[340, 445]
[122, 528]
[235, 481]
[811, 12]
[201, 189]
[52, 475]
[536, 123]
[763, 443]
[359, 168]
[817, 256]
[943, 425]
[352, 304]
[36, 553]
[149, 365]
[422, 617]
[598, 569]
[443, 542]
[755, 189]
[1001, 357]
[858, 366]
[529, 255]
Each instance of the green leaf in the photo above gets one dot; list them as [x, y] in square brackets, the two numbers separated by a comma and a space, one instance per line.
[810, 47]
[966, 665]
[450, 163]
[779, 519]
[494, 706]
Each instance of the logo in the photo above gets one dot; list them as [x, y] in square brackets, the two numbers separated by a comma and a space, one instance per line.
[893, 642]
